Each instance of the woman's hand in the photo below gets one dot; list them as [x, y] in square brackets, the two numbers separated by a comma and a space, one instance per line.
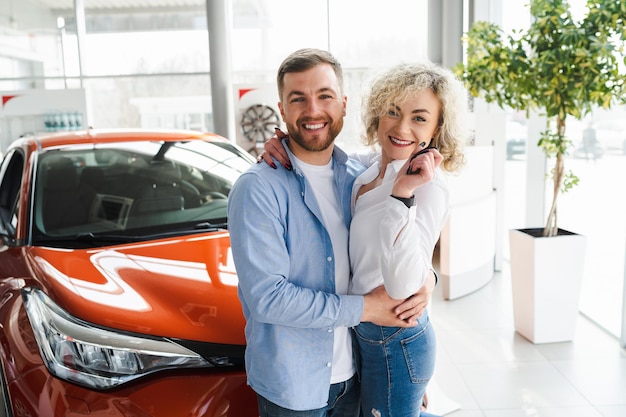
[418, 170]
[413, 307]
[383, 310]
[274, 149]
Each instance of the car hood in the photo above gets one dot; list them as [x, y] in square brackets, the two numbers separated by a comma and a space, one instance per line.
[183, 287]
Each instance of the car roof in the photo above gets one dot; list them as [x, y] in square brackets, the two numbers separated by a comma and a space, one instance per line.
[56, 139]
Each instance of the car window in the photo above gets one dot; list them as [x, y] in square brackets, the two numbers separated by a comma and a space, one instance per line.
[11, 179]
[134, 189]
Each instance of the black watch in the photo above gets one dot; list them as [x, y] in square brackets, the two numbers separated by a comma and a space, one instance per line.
[409, 202]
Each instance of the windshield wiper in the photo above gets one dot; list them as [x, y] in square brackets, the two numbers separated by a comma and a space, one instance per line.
[197, 228]
[117, 238]
[87, 237]
[93, 237]
[211, 226]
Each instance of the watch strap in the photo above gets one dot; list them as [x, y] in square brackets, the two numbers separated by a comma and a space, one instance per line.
[409, 202]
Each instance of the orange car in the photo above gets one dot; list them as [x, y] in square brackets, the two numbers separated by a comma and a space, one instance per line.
[118, 293]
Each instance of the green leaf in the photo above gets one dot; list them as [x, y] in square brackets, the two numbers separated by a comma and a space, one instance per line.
[559, 67]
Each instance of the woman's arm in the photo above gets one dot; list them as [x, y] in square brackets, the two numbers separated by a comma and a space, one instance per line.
[414, 216]
[413, 307]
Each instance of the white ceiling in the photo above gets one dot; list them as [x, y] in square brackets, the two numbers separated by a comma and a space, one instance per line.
[121, 4]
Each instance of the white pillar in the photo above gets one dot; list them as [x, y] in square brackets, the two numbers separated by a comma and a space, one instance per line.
[220, 22]
[452, 32]
[79, 14]
[435, 17]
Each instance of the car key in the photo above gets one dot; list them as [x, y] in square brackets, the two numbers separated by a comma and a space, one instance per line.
[421, 151]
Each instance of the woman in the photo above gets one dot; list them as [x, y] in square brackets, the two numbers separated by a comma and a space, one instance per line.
[414, 115]
[400, 206]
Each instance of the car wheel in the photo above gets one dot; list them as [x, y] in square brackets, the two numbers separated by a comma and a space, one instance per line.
[258, 123]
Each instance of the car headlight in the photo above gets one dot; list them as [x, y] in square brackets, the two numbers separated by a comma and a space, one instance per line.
[78, 352]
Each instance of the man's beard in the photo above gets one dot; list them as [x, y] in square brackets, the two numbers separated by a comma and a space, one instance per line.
[315, 145]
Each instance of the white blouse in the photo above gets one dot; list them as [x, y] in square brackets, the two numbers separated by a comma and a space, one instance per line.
[389, 243]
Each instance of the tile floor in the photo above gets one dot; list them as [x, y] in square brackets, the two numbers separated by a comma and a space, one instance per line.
[491, 371]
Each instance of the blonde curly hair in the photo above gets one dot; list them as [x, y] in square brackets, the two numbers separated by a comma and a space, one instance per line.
[399, 83]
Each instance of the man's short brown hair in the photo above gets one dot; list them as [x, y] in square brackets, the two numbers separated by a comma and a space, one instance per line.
[305, 59]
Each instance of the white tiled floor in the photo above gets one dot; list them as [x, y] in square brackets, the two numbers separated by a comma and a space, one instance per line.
[491, 371]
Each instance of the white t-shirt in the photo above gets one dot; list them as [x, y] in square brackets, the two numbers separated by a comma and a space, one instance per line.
[390, 243]
[323, 185]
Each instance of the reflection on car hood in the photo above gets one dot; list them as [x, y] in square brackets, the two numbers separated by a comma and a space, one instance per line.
[181, 287]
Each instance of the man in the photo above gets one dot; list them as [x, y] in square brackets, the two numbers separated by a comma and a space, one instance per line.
[289, 236]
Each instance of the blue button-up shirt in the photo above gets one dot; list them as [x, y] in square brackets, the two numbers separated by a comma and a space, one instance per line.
[286, 268]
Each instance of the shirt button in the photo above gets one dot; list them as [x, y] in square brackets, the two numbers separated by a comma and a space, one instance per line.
[329, 259]
[328, 364]
[330, 330]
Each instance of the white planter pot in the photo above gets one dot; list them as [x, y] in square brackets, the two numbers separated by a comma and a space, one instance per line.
[546, 274]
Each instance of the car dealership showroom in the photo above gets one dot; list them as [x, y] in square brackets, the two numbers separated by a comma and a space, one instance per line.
[125, 123]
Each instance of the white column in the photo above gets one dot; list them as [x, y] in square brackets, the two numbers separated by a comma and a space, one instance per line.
[452, 32]
[79, 14]
[435, 17]
[220, 22]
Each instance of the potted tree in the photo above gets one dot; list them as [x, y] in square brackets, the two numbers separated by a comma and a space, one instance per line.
[561, 68]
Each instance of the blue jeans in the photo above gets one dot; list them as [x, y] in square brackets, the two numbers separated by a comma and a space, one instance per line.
[395, 365]
[343, 401]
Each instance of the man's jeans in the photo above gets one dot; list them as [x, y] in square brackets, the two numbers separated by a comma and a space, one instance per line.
[343, 401]
[395, 366]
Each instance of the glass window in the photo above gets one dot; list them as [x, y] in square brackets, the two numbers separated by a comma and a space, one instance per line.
[132, 189]
[593, 208]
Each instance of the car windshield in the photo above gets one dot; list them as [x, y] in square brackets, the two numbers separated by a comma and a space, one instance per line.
[113, 193]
